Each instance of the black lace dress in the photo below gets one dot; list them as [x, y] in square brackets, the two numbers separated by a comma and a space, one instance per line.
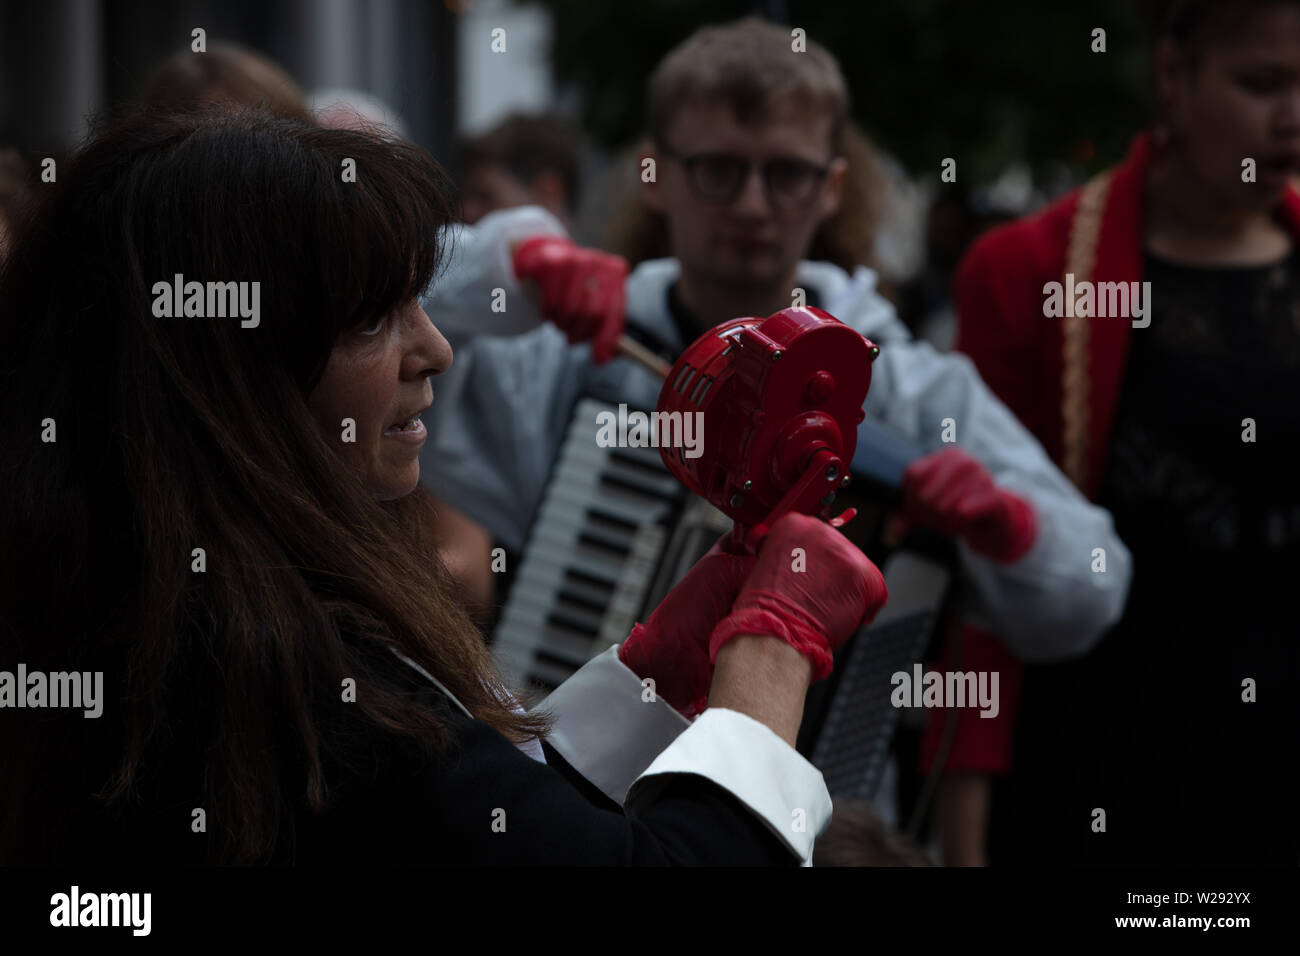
[1153, 727]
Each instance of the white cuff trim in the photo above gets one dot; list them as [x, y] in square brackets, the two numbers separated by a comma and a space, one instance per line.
[760, 769]
[605, 729]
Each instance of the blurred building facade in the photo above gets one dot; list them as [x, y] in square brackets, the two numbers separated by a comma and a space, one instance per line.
[62, 60]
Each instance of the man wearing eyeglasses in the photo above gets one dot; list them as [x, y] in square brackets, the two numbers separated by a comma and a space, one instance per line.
[746, 137]
[744, 206]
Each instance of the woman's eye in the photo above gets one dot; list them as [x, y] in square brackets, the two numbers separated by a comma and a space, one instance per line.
[374, 326]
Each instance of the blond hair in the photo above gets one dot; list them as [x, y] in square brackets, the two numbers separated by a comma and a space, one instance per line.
[748, 65]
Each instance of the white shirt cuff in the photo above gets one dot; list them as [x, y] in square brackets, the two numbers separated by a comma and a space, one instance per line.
[604, 726]
[756, 766]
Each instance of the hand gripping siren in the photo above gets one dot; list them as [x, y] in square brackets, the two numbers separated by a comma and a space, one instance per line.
[781, 399]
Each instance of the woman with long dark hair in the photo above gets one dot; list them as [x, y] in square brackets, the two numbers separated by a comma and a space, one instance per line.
[214, 367]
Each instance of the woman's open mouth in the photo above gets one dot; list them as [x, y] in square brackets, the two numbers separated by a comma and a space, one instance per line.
[412, 431]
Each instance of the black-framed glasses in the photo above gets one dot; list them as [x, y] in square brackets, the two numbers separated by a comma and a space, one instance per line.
[719, 177]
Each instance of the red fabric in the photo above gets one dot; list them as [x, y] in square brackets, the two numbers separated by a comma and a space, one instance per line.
[581, 290]
[814, 600]
[979, 744]
[953, 493]
[672, 647]
[998, 293]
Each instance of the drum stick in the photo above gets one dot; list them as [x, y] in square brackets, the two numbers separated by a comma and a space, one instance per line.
[627, 347]
[630, 348]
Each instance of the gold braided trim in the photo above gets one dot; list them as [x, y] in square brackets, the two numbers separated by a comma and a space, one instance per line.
[1085, 229]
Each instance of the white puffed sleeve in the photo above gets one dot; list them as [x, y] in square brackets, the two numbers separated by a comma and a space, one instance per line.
[460, 300]
[1055, 602]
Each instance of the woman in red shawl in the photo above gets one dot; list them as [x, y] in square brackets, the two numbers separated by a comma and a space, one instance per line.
[1175, 740]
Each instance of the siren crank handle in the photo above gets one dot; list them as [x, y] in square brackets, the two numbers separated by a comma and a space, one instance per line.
[630, 348]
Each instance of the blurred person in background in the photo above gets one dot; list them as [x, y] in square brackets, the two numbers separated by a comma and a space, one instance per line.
[345, 108]
[524, 160]
[857, 836]
[847, 237]
[953, 220]
[1183, 724]
[225, 75]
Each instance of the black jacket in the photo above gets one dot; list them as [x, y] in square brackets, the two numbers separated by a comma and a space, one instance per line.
[482, 802]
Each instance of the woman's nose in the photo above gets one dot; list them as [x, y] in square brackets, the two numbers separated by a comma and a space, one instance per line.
[432, 350]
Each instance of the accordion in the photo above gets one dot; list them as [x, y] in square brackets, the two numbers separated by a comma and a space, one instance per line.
[615, 531]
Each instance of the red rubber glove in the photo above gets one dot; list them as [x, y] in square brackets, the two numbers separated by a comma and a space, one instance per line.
[672, 647]
[581, 290]
[814, 610]
[953, 493]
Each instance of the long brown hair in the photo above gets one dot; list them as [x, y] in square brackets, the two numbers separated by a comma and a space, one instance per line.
[171, 435]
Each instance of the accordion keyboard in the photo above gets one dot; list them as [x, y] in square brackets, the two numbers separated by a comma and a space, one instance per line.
[594, 549]
[852, 743]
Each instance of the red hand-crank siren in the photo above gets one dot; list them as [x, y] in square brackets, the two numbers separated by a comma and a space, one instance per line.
[781, 399]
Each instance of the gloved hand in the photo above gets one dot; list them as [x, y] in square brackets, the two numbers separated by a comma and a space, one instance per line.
[581, 290]
[672, 647]
[814, 610]
[953, 493]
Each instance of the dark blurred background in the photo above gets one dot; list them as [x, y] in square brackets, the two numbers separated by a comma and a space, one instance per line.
[1012, 90]
[989, 83]
[62, 59]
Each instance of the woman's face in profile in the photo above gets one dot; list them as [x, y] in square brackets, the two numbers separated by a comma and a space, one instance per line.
[377, 377]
